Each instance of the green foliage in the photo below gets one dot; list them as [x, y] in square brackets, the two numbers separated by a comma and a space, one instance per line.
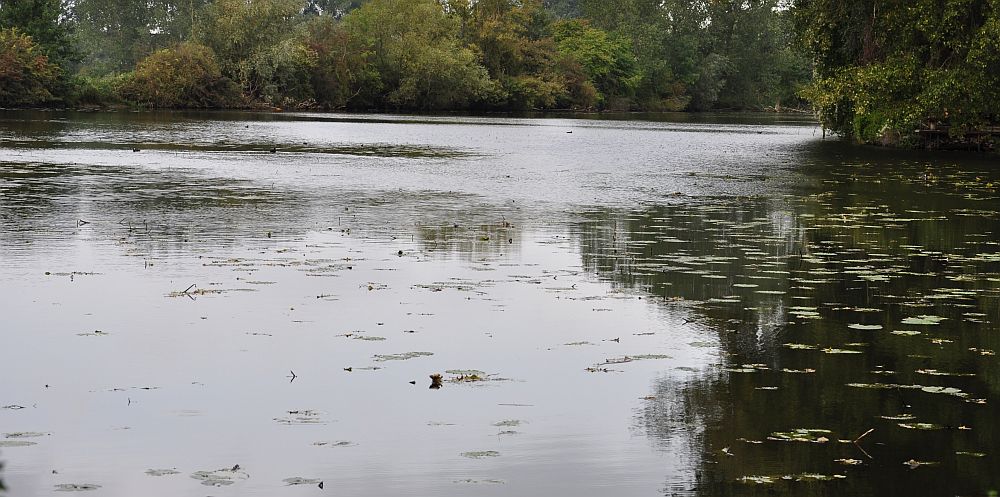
[415, 49]
[608, 60]
[431, 54]
[96, 91]
[41, 20]
[882, 73]
[342, 73]
[186, 76]
[27, 77]
[257, 45]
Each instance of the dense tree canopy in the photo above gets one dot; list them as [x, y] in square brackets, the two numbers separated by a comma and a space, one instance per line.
[429, 54]
[885, 70]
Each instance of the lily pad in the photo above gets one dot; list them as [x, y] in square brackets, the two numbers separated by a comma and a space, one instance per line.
[16, 443]
[811, 435]
[508, 423]
[401, 357]
[221, 477]
[301, 417]
[336, 443]
[921, 426]
[872, 327]
[925, 319]
[76, 487]
[162, 472]
[298, 480]
[481, 454]
[757, 480]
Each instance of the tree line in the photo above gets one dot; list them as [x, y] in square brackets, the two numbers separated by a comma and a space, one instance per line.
[418, 55]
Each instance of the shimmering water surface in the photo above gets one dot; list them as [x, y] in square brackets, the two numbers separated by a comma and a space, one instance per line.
[631, 305]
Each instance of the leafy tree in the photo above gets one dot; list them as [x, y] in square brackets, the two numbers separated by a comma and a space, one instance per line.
[607, 59]
[564, 9]
[664, 36]
[342, 72]
[42, 21]
[186, 76]
[333, 8]
[749, 58]
[883, 72]
[27, 77]
[415, 49]
[114, 34]
[511, 39]
[258, 45]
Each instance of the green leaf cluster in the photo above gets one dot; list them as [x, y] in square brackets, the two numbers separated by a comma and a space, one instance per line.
[27, 76]
[884, 71]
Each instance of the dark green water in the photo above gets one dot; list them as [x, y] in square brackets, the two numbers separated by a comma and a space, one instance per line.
[678, 305]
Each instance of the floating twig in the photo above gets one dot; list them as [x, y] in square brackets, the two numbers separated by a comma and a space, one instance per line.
[863, 435]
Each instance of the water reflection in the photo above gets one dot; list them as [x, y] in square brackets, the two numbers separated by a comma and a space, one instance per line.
[869, 301]
[765, 282]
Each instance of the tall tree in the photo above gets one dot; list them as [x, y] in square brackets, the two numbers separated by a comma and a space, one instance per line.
[44, 21]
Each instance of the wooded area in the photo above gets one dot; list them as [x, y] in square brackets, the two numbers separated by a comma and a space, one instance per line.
[886, 72]
[401, 54]
[879, 73]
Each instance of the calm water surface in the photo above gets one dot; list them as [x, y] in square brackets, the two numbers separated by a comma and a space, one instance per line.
[689, 305]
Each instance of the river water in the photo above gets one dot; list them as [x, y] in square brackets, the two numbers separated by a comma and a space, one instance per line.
[253, 304]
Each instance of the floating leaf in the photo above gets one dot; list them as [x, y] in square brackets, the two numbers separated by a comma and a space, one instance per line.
[970, 454]
[482, 454]
[926, 319]
[865, 326]
[811, 435]
[162, 472]
[298, 480]
[401, 357]
[921, 426]
[757, 480]
[76, 487]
